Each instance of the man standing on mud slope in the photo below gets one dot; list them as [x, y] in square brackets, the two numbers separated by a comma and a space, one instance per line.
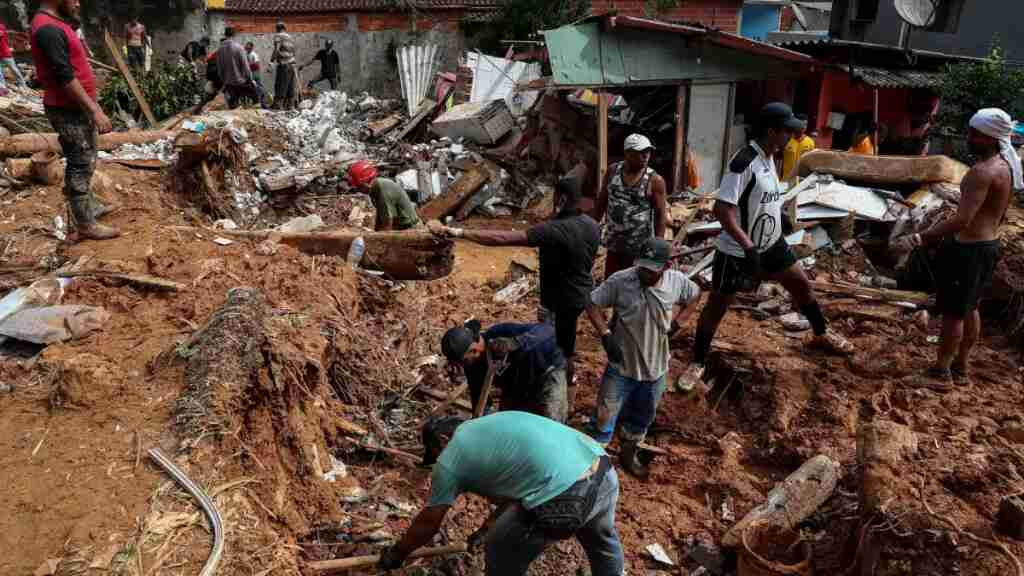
[968, 245]
[634, 198]
[567, 246]
[751, 247]
[70, 101]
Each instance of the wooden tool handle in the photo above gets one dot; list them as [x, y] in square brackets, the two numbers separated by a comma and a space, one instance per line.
[361, 561]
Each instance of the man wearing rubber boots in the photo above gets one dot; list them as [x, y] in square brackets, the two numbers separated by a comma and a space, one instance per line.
[751, 247]
[644, 299]
[69, 85]
[968, 243]
[548, 482]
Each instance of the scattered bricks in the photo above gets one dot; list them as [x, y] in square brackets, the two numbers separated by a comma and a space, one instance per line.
[1010, 519]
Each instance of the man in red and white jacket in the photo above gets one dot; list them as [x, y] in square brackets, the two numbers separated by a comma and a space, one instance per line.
[69, 85]
[7, 60]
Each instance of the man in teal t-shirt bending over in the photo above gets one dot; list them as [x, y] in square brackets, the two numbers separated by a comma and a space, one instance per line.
[519, 461]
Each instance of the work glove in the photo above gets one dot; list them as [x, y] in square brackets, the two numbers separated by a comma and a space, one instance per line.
[906, 243]
[753, 260]
[389, 559]
[612, 349]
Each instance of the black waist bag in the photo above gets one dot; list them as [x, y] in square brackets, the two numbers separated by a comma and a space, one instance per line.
[562, 516]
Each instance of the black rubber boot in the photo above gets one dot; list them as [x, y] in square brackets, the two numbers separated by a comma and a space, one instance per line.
[629, 461]
[82, 214]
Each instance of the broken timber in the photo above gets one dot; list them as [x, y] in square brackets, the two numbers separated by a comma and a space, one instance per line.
[792, 501]
[879, 294]
[28, 144]
[408, 255]
[378, 128]
[449, 202]
[143, 280]
[139, 96]
[425, 109]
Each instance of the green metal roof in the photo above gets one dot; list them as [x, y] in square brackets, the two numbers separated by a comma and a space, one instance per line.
[619, 51]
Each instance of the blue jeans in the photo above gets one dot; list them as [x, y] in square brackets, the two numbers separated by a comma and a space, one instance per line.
[9, 62]
[635, 402]
[511, 546]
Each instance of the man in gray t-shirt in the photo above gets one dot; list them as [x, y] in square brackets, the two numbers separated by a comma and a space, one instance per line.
[644, 299]
[751, 247]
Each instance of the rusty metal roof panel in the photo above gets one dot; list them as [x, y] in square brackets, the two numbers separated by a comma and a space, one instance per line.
[882, 78]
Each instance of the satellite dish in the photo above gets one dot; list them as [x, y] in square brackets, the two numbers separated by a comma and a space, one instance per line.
[918, 13]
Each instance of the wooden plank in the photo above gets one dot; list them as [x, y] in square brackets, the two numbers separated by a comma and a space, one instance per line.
[449, 202]
[130, 78]
[679, 146]
[425, 109]
[602, 140]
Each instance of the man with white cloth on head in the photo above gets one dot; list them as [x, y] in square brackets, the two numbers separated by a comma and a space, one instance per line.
[968, 248]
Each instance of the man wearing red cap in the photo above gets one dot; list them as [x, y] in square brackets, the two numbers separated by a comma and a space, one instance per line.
[394, 209]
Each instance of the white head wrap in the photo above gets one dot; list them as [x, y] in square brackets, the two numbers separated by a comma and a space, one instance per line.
[997, 124]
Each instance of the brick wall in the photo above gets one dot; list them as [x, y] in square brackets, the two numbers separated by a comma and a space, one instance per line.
[338, 22]
[721, 14]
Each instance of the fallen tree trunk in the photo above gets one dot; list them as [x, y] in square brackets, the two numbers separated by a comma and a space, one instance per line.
[408, 255]
[882, 170]
[792, 501]
[879, 294]
[28, 144]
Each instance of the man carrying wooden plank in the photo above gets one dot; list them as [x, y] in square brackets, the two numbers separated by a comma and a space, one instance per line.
[547, 481]
[968, 243]
[530, 367]
[69, 85]
[567, 244]
[751, 247]
[634, 199]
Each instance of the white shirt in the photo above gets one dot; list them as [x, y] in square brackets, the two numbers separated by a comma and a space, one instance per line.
[752, 185]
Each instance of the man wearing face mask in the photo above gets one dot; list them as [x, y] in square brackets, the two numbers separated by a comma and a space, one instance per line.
[644, 299]
[751, 247]
[567, 245]
[633, 198]
[968, 245]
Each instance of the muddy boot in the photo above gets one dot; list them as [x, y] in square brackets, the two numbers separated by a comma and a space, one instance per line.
[99, 209]
[629, 461]
[81, 211]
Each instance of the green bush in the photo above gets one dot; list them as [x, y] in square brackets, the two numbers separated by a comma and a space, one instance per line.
[168, 89]
[968, 87]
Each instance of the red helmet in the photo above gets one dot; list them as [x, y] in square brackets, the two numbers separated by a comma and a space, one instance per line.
[361, 173]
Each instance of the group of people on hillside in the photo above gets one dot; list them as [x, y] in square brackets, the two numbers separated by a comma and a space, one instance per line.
[532, 363]
[237, 69]
[548, 481]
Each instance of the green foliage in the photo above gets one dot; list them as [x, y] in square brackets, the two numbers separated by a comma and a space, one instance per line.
[968, 87]
[521, 20]
[168, 89]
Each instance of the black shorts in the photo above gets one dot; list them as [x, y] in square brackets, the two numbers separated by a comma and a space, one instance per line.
[963, 271]
[566, 321]
[730, 274]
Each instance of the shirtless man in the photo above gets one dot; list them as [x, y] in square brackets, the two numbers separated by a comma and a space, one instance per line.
[968, 248]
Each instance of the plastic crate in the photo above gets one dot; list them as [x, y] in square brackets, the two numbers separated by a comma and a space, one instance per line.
[481, 122]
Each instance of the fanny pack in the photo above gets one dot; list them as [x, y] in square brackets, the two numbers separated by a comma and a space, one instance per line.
[562, 516]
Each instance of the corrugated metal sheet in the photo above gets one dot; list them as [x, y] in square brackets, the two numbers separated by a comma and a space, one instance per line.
[416, 68]
[882, 78]
[620, 51]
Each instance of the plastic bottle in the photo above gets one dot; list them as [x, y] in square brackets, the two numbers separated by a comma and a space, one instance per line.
[355, 252]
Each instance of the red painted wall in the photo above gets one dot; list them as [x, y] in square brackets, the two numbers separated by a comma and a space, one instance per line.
[720, 14]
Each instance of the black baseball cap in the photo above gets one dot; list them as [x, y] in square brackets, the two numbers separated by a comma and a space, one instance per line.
[656, 255]
[457, 341]
[779, 114]
[433, 432]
